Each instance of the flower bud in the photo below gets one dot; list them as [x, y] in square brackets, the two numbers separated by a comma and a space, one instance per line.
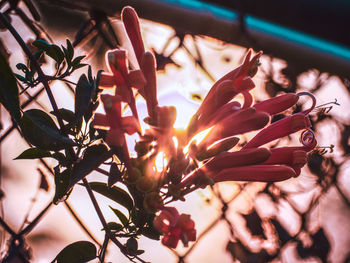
[152, 202]
[145, 184]
[133, 177]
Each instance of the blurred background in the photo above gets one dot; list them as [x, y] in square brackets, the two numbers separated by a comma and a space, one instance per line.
[306, 48]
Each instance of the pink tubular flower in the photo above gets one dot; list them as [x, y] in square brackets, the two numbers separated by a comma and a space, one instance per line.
[114, 122]
[174, 227]
[121, 78]
[224, 90]
[132, 26]
[256, 173]
[285, 126]
[252, 163]
[279, 129]
[277, 104]
[229, 160]
[148, 66]
[239, 122]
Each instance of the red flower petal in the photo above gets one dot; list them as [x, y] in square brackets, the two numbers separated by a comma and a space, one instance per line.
[132, 27]
[280, 129]
[106, 81]
[131, 125]
[100, 120]
[148, 66]
[239, 158]
[277, 104]
[240, 122]
[257, 173]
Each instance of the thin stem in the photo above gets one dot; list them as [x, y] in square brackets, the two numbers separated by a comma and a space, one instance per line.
[104, 223]
[42, 77]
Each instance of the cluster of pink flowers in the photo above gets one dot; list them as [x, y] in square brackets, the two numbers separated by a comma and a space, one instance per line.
[227, 119]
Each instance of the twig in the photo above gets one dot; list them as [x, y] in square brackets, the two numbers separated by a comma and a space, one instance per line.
[6, 227]
[42, 77]
[104, 223]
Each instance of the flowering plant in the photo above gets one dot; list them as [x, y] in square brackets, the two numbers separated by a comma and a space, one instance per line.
[188, 163]
[191, 164]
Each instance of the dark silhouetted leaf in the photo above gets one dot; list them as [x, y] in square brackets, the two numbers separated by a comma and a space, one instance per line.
[93, 157]
[22, 67]
[132, 244]
[150, 232]
[115, 175]
[61, 185]
[253, 223]
[8, 89]
[41, 44]
[66, 115]
[114, 193]
[52, 51]
[83, 94]
[113, 226]
[123, 219]
[78, 252]
[33, 153]
[70, 51]
[41, 131]
[76, 62]
[56, 53]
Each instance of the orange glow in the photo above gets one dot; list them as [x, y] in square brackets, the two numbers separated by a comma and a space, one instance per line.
[161, 162]
[198, 138]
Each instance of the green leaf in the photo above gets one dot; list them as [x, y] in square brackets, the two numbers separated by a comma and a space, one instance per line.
[83, 94]
[91, 79]
[150, 232]
[115, 175]
[76, 61]
[79, 66]
[9, 96]
[33, 153]
[93, 157]
[19, 77]
[22, 67]
[41, 131]
[70, 51]
[42, 44]
[62, 185]
[60, 157]
[66, 115]
[77, 252]
[56, 53]
[123, 219]
[132, 244]
[113, 226]
[114, 193]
